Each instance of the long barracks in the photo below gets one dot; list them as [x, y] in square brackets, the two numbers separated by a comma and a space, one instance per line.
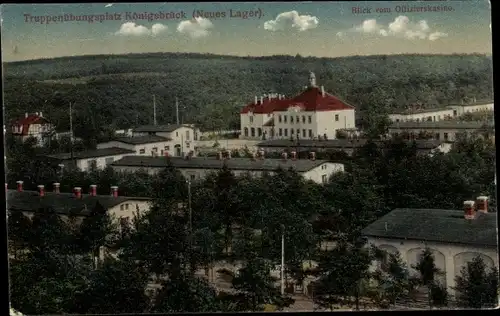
[152, 16]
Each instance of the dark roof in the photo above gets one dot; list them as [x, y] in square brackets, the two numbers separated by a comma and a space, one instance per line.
[448, 226]
[142, 139]
[440, 125]
[112, 151]
[63, 203]
[157, 128]
[300, 165]
[337, 143]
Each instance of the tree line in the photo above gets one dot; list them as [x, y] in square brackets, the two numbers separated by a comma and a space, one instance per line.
[115, 92]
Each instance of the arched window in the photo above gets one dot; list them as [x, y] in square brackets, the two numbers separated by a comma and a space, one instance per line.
[246, 131]
[259, 132]
[252, 132]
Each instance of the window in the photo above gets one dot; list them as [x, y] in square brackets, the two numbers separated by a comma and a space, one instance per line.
[454, 112]
[167, 147]
[286, 132]
[251, 119]
[192, 177]
[122, 207]
[284, 118]
[291, 119]
[155, 149]
[292, 131]
[336, 117]
[109, 160]
[187, 135]
[438, 136]
[309, 119]
[303, 119]
[142, 151]
[397, 120]
[176, 134]
[126, 206]
[246, 131]
[259, 131]
[445, 136]
[310, 133]
[434, 118]
[92, 164]
[188, 145]
[252, 132]
[280, 132]
[279, 118]
[298, 119]
[162, 152]
[323, 178]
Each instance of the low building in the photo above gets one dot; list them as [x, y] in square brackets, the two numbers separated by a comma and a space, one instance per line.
[85, 160]
[455, 237]
[194, 168]
[461, 109]
[413, 114]
[77, 204]
[182, 135]
[447, 131]
[346, 145]
[33, 126]
[149, 145]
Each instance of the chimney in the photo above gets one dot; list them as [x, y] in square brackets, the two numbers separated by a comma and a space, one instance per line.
[93, 190]
[262, 154]
[284, 155]
[469, 210]
[57, 185]
[41, 115]
[294, 155]
[261, 100]
[482, 204]
[313, 155]
[41, 190]
[256, 100]
[19, 186]
[114, 191]
[322, 91]
[26, 114]
[219, 155]
[78, 192]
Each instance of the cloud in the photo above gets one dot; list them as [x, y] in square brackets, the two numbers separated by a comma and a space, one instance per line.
[133, 29]
[109, 5]
[293, 20]
[195, 28]
[401, 27]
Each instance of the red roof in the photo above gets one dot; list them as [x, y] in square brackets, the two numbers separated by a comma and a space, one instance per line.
[309, 100]
[29, 120]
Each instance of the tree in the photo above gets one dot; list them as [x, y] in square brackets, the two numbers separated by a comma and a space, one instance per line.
[255, 287]
[393, 279]
[476, 287]
[342, 273]
[428, 271]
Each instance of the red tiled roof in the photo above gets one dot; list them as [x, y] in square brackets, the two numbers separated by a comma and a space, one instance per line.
[27, 121]
[309, 100]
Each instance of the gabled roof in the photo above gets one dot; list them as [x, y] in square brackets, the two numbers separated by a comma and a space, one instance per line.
[139, 140]
[31, 119]
[311, 99]
[300, 165]
[103, 152]
[436, 225]
[63, 203]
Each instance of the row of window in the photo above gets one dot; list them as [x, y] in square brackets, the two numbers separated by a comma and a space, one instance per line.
[284, 119]
[437, 136]
[155, 149]
[305, 133]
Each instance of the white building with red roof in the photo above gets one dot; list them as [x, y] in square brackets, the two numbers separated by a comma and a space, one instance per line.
[312, 114]
[33, 125]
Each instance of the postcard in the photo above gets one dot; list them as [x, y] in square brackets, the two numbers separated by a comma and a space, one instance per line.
[249, 157]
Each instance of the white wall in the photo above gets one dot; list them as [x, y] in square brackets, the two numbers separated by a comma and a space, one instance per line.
[316, 174]
[462, 109]
[437, 133]
[249, 121]
[84, 164]
[129, 209]
[427, 116]
[147, 149]
[449, 257]
[228, 144]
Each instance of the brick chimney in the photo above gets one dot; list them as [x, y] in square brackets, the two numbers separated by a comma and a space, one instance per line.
[322, 91]
[41, 190]
[78, 192]
[114, 191]
[93, 190]
[255, 102]
[20, 186]
[262, 154]
[469, 212]
[482, 204]
[313, 155]
[285, 156]
[57, 185]
[293, 154]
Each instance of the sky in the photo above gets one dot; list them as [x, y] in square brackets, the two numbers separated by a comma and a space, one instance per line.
[322, 29]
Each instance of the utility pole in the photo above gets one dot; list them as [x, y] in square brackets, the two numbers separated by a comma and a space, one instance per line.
[177, 109]
[282, 259]
[190, 225]
[154, 110]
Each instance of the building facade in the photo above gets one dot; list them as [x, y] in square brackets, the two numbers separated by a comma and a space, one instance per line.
[448, 131]
[196, 168]
[454, 237]
[312, 114]
[33, 126]
[87, 160]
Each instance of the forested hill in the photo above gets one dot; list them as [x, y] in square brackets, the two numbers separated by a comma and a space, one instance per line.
[116, 90]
